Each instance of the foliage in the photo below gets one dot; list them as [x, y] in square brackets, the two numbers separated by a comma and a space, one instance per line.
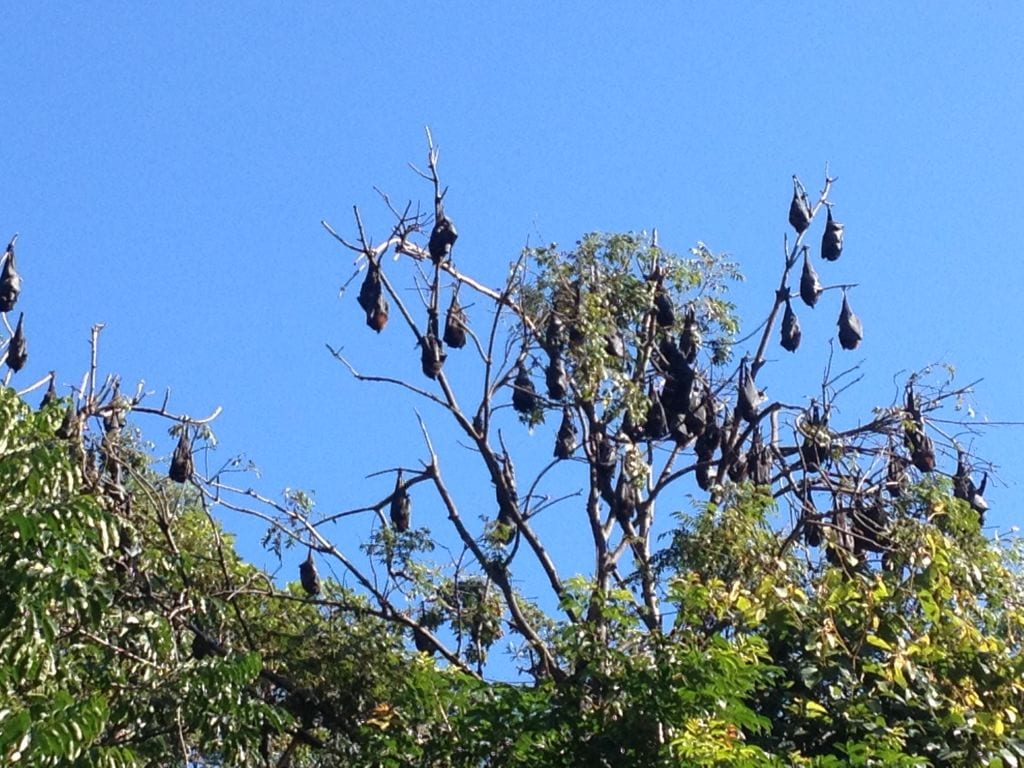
[92, 669]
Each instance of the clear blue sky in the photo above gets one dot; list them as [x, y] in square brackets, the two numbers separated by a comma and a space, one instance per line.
[167, 166]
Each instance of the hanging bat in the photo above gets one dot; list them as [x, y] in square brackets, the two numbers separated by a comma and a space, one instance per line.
[201, 647]
[308, 576]
[554, 333]
[604, 463]
[181, 467]
[759, 463]
[868, 524]
[664, 312]
[814, 452]
[812, 533]
[895, 474]
[689, 339]
[372, 299]
[703, 475]
[739, 468]
[10, 280]
[922, 451]
[816, 447]
[70, 426]
[565, 442]
[791, 333]
[50, 395]
[455, 325]
[748, 396]
[556, 378]
[700, 413]
[17, 350]
[432, 356]
[810, 285]
[711, 435]
[851, 332]
[915, 438]
[799, 208]
[676, 395]
[843, 545]
[964, 487]
[115, 420]
[400, 506]
[575, 313]
[656, 423]
[422, 641]
[627, 499]
[442, 238]
[809, 517]
[524, 396]
[832, 239]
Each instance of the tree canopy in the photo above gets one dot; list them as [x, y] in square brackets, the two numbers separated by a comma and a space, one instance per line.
[615, 550]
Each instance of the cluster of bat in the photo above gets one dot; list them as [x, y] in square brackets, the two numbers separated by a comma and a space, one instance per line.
[860, 524]
[113, 413]
[374, 303]
[686, 410]
[10, 290]
[103, 462]
[851, 331]
[859, 517]
[372, 299]
[114, 416]
[682, 405]
[921, 454]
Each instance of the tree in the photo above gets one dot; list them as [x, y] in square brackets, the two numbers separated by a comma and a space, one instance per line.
[829, 600]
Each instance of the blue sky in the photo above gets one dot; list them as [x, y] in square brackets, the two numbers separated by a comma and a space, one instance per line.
[167, 166]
